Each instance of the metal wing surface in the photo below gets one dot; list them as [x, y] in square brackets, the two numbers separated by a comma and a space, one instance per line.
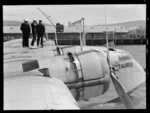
[28, 92]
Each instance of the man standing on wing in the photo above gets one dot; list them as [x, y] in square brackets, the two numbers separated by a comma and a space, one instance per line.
[33, 26]
[25, 28]
[40, 32]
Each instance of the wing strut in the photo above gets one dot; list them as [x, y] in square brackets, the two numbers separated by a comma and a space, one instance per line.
[57, 47]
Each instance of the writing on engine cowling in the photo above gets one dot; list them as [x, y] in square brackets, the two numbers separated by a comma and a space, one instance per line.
[121, 66]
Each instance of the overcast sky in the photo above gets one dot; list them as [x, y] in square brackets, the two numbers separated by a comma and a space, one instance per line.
[93, 14]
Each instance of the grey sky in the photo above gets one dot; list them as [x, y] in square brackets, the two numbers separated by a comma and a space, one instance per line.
[93, 14]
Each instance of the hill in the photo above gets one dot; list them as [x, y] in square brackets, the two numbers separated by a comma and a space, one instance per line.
[11, 23]
[131, 24]
[15, 23]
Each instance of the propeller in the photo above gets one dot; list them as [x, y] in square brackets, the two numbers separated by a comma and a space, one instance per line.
[118, 87]
[121, 92]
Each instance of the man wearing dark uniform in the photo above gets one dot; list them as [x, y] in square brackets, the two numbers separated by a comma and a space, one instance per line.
[33, 26]
[40, 32]
[25, 28]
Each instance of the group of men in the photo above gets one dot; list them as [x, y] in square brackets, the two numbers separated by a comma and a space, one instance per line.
[38, 30]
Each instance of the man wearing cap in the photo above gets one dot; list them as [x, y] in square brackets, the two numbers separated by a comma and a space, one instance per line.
[40, 28]
[33, 26]
[25, 28]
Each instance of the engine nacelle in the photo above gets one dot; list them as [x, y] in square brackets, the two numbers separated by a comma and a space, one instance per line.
[91, 79]
[83, 73]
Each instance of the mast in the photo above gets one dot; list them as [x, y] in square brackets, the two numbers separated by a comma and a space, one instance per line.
[84, 40]
[114, 38]
[83, 24]
[81, 41]
[107, 45]
[118, 87]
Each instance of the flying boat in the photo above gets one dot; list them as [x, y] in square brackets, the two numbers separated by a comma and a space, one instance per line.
[58, 77]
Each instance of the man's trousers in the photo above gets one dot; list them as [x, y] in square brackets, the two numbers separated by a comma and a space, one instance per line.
[25, 41]
[40, 37]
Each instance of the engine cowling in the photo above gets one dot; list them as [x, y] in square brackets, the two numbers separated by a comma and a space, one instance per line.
[92, 80]
[83, 73]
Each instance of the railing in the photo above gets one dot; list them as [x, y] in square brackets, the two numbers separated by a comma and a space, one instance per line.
[75, 41]
[103, 41]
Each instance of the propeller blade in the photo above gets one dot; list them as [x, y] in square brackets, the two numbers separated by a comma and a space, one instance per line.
[118, 87]
[121, 92]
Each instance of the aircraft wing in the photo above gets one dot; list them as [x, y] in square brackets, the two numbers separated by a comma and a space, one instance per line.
[29, 92]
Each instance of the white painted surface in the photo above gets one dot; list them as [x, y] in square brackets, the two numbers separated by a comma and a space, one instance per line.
[13, 49]
[36, 92]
